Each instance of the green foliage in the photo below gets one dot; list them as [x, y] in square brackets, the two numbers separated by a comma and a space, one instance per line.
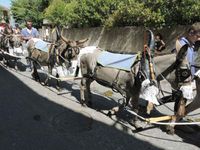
[133, 13]
[95, 13]
[29, 9]
[109, 13]
[176, 12]
[80, 13]
[55, 11]
[156, 13]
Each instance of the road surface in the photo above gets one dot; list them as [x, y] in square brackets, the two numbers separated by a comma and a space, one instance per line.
[34, 117]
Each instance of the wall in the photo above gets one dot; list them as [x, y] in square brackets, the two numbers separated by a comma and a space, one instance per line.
[122, 39]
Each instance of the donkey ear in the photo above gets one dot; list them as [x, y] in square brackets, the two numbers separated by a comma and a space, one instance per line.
[64, 38]
[182, 52]
[81, 42]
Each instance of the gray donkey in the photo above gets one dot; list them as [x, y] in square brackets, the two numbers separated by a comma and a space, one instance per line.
[126, 82]
[170, 67]
[60, 52]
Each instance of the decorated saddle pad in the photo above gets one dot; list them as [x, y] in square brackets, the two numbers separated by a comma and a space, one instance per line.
[119, 61]
[42, 45]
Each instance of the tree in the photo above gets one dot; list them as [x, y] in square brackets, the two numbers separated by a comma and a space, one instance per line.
[109, 13]
[134, 13]
[29, 9]
[61, 12]
[80, 13]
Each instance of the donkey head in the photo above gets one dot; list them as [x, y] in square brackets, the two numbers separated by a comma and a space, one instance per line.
[67, 49]
[15, 41]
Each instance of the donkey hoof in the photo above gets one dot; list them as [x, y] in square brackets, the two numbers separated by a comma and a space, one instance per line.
[46, 83]
[16, 68]
[89, 104]
[136, 125]
[109, 114]
[83, 104]
[170, 130]
[34, 77]
[43, 83]
[58, 89]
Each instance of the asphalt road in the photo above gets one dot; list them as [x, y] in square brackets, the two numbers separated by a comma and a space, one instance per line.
[34, 117]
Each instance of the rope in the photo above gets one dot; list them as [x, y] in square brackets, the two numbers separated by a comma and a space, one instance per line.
[51, 76]
[148, 120]
[63, 58]
[4, 52]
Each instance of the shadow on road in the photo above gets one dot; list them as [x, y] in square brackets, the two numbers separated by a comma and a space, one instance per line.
[30, 121]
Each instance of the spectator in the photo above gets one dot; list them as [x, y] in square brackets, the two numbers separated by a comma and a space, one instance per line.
[190, 37]
[159, 43]
[2, 25]
[29, 32]
[197, 57]
[17, 29]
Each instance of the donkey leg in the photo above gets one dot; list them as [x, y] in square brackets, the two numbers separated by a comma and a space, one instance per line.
[46, 81]
[58, 87]
[35, 74]
[135, 107]
[85, 91]
[179, 113]
[16, 64]
[117, 109]
[149, 107]
[77, 72]
[5, 62]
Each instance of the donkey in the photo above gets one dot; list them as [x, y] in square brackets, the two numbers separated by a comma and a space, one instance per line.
[59, 53]
[195, 104]
[9, 39]
[10, 43]
[168, 67]
[126, 82]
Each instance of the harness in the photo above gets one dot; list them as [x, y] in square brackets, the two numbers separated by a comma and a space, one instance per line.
[182, 73]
